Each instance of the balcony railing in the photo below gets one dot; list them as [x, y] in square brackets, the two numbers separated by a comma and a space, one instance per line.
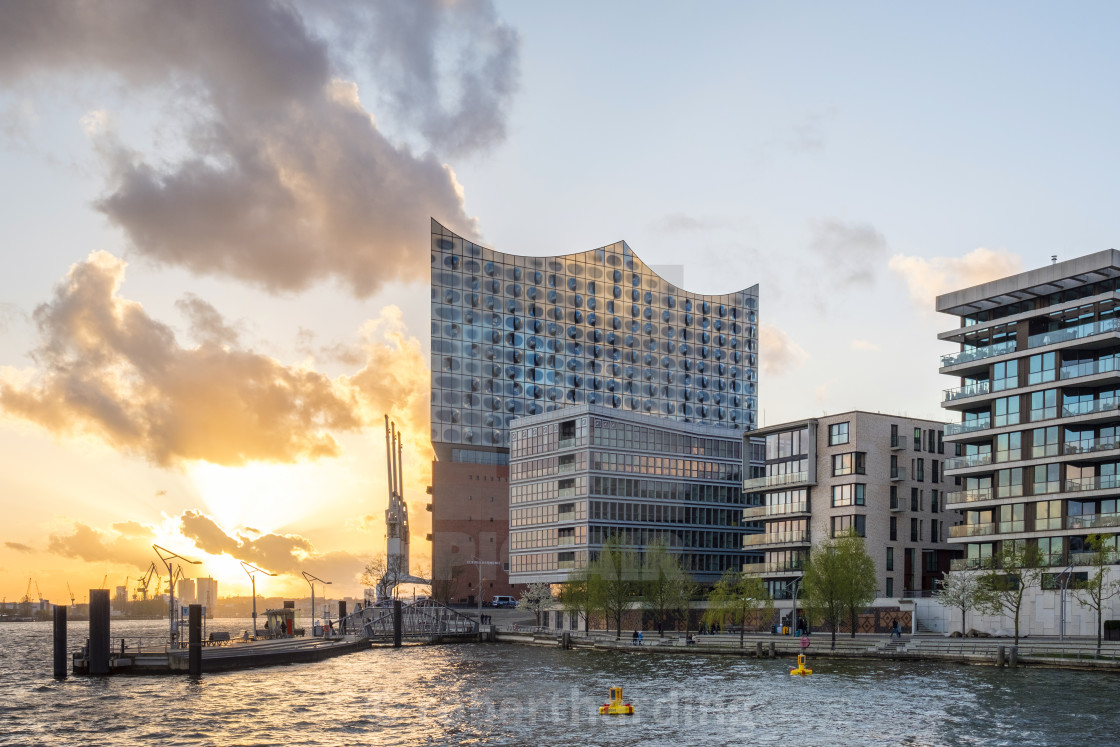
[1088, 408]
[975, 354]
[771, 481]
[1073, 333]
[968, 496]
[781, 566]
[968, 426]
[1103, 482]
[1088, 368]
[1092, 521]
[800, 537]
[972, 530]
[967, 564]
[898, 473]
[1089, 445]
[968, 390]
[969, 460]
[896, 504]
[781, 509]
[1047, 524]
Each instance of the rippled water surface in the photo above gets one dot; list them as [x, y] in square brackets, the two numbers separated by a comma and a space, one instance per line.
[503, 694]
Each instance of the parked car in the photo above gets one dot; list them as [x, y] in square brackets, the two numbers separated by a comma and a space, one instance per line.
[503, 601]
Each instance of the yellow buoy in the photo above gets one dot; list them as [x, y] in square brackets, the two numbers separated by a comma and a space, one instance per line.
[616, 707]
[801, 670]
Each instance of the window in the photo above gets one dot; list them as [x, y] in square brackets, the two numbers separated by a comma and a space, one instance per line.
[915, 530]
[894, 498]
[838, 433]
[890, 587]
[940, 443]
[890, 558]
[1046, 479]
[1044, 442]
[841, 524]
[935, 471]
[1005, 376]
[1009, 447]
[934, 528]
[1041, 368]
[933, 507]
[851, 463]
[848, 495]
[917, 439]
[931, 443]
[914, 499]
[894, 529]
[920, 475]
[1007, 411]
[1009, 482]
[1044, 405]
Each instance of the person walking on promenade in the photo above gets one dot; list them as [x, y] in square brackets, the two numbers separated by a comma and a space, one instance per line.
[634, 639]
[896, 630]
[639, 638]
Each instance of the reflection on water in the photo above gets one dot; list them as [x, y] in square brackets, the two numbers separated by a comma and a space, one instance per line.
[504, 694]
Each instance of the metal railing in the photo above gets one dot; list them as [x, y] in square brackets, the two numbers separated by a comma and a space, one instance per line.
[975, 354]
[1102, 482]
[780, 566]
[968, 390]
[968, 426]
[800, 537]
[1091, 521]
[770, 481]
[899, 442]
[780, 509]
[968, 496]
[1088, 368]
[898, 473]
[1073, 333]
[972, 530]
[1089, 445]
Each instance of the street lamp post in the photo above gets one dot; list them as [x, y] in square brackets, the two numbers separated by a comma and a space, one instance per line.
[166, 556]
[251, 570]
[310, 579]
[479, 564]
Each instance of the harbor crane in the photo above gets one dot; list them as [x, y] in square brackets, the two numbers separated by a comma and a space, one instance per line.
[143, 582]
[39, 594]
[71, 593]
[27, 594]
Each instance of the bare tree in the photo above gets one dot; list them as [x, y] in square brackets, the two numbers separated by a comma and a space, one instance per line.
[575, 595]
[1013, 570]
[960, 589]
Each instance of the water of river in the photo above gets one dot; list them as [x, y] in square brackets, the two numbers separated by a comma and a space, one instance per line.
[500, 694]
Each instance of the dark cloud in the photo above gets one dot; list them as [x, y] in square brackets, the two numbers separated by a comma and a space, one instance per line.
[851, 252]
[286, 178]
[107, 368]
[207, 325]
[19, 547]
[93, 546]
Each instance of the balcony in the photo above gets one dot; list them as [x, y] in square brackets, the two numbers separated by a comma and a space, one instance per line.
[1073, 333]
[958, 497]
[1093, 521]
[773, 481]
[898, 473]
[968, 426]
[1045, 524]
[800, 537]
[752, 513]
[976, 354]
[968, 390]
[780, 566]
[1089, 446]
[1089, 368]
[896, 504]
[1088, 408]
[972, 530]
[899, 442]
[967, 564]
[968, 460]
[1104, 482]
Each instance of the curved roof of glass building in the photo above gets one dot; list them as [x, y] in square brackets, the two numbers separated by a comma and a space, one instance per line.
[519, 335]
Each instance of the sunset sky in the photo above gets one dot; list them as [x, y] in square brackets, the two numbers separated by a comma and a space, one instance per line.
[214, 225]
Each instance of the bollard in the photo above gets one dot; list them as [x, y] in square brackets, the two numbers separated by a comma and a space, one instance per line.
[59, 642]
[98, 631]
[758, 649]
[194, 631]
[567, 639]
[773, 650]
[1014, 656]
[999, 656]
[396, 623]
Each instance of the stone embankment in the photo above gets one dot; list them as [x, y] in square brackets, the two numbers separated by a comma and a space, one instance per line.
[1069, 654]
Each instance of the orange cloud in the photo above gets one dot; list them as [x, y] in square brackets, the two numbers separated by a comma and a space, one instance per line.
[928, 278]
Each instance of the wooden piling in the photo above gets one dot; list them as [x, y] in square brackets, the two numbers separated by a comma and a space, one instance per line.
[396, 623]
[1014, 660]
[98, 631]
[773, 650]
[1000, 654]
[194, 632]
[60, 654]
[758, 649]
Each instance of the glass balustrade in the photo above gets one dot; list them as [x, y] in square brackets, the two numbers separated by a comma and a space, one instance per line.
[1072, 333]
[976, 354]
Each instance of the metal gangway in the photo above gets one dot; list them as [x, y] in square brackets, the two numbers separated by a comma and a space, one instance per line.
[425, 620]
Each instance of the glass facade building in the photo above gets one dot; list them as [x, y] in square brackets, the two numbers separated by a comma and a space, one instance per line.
[515, 336]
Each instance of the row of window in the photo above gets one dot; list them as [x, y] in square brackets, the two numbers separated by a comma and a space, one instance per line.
[614, 433]
[692, 539]
[550, 514]
[532, 538]
[666, 466]
[634, 512]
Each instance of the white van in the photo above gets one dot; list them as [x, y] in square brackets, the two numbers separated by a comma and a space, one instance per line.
[503, 601]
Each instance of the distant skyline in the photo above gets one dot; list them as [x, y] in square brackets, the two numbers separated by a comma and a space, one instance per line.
[215, 226]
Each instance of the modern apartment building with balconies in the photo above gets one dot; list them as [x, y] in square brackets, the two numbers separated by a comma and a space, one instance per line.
[879, 474]
[1037, 400]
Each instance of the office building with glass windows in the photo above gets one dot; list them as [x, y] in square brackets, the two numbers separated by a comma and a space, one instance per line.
[585, 473]
[881, 475]
[1037, 398]
[516, 336]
